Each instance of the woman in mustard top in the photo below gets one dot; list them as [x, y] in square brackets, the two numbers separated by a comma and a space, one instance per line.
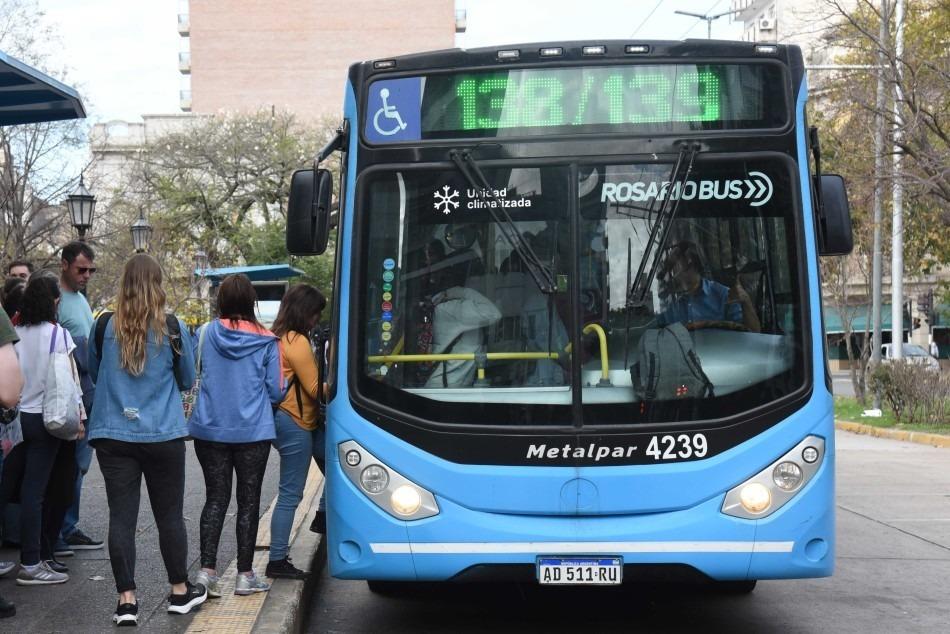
[300, 435]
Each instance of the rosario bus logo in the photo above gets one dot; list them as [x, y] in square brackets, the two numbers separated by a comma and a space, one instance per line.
[756, 188]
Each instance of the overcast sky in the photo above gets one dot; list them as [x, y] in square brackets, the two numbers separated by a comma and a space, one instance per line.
[123, 54]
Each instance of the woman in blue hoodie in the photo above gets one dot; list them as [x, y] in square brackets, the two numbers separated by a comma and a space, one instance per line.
[233, 426]
[140, 359]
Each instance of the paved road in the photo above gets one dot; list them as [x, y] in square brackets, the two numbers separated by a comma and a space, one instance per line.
[85, 603]
[892, 574]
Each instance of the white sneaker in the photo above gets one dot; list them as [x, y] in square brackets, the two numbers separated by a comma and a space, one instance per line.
[250, 584]
[6, 566]
[40, 575]
[210, 582]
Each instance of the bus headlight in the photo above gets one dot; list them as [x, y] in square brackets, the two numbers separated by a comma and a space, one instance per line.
[755, 498]
[386, 488]
[405, 500]
[787, 476]
[374, 479]
[772, 487]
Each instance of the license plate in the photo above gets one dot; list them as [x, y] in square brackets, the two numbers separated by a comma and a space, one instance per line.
[580, 571]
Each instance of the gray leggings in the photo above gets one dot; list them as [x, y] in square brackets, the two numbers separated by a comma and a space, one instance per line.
[219, 461]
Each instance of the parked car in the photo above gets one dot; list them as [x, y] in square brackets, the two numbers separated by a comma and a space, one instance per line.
[912, 354]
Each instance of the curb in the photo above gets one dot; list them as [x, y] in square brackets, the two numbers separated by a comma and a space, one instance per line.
[285, 607]
[919, 437]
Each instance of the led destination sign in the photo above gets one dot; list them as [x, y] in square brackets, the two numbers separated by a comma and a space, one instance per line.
[577, 100]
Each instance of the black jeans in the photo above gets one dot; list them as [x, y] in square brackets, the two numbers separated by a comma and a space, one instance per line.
[163, 464]
[219, 461]
[43, 469]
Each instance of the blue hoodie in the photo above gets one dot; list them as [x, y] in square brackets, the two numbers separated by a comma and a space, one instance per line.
[240, 380]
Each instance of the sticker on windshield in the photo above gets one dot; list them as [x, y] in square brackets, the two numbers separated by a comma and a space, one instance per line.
[756, 188]
[393, 110]
[447, 199]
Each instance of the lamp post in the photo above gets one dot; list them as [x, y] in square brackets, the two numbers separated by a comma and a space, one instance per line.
[201, 267]
[81, 205]
[709, 18]
[141, 232]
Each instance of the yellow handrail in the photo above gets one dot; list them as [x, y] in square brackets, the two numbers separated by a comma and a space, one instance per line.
[604, 359]
[395, 357]
[460, 356]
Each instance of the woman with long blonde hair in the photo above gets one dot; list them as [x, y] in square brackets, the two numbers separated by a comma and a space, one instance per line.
[141, 359]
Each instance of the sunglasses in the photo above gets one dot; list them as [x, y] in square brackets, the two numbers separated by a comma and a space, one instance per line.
[85, 269]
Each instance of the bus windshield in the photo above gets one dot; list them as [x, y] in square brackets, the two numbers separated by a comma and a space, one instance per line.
[458, 332]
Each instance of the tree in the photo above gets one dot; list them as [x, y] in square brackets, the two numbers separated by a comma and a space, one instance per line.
[922, 73]
[220, 185]
[35, 174]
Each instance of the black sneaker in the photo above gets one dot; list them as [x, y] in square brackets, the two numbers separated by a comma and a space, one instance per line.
[56, 565]
[126, 614]
[78, 540]
[182, 603]
[319, 524]
[7, 608]
[283, 569]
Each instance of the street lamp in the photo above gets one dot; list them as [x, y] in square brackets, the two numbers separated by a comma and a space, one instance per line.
[81, 205]
[141, 232]
[709, 18]
[201, 261]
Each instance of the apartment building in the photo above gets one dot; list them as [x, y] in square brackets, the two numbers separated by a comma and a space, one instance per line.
[294, 54]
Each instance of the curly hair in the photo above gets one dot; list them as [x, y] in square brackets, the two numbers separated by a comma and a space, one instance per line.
[39, 299]
[140, 307]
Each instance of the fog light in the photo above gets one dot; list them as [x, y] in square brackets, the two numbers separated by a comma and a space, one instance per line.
[405, 500]
[809, 454]
[353, 457]
[374, 479]
[787, 476]
[755, 498]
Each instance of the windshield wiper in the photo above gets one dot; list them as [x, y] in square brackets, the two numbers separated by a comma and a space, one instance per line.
[540, 273]
[660, 232]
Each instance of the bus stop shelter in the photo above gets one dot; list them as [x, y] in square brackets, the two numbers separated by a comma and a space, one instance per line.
[30, 96]
[269, 280]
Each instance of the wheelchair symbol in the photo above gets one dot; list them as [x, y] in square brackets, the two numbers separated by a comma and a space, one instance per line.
[388, 112]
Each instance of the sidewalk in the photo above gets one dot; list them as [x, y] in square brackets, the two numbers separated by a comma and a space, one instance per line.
[923, 438]
[86, 602]
[276, 610]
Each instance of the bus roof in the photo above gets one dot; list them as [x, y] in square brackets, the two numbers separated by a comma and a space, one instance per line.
[582, 50]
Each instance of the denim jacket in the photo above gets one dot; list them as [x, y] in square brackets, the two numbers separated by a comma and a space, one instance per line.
[145, 408]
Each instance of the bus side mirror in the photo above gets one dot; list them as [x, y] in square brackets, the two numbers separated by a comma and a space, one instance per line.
[834, 217]
[308, 212]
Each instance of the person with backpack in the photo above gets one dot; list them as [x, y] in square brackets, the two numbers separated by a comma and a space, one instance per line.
[299, 425]
[233, 426]
[141, 359]
[43, 466]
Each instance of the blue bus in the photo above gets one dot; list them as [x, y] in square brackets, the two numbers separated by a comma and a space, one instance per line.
[577, 333]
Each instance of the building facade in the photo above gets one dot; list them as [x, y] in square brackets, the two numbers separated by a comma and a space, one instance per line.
[294, 54]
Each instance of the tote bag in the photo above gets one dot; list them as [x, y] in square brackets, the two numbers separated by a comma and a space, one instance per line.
[62, 398]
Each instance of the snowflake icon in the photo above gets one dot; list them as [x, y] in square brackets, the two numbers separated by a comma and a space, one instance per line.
[444, 201]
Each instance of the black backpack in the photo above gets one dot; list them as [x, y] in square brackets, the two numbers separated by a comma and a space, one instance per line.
[171, 323]
[667, 366]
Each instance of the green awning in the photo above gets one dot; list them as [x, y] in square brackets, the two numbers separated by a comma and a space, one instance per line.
[859, 316]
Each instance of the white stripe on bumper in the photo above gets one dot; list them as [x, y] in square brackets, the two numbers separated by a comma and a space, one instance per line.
[571, 548]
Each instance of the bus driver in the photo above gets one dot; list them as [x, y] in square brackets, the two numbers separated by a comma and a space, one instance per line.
[699, 299]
